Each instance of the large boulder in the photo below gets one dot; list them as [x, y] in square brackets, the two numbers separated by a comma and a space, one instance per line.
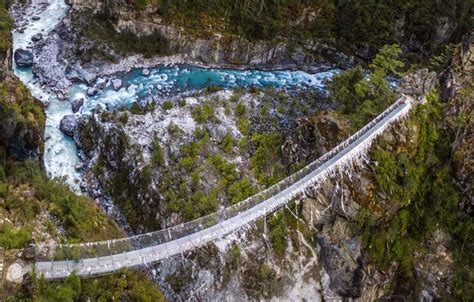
[16, 272]
[117, 84]
[101, 83]
[77, 74]
[92, 91]
[23, 58]
[37, 37]
[77, 104]
[88, 77]
[68, 124]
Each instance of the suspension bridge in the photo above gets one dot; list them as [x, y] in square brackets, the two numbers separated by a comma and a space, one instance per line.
[105, 257]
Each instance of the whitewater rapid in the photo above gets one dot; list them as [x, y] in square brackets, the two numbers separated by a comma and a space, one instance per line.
[60, 154]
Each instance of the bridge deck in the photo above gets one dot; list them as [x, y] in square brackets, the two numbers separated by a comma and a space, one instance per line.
[108, 264]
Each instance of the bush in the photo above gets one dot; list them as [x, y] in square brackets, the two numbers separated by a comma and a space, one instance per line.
[241, 190]
[240, 109]
[124, 118]
[203, 113]
[362, 98]
[228, 143]
[124, 285]
[167, 105]
[157, 156]
[11, 238]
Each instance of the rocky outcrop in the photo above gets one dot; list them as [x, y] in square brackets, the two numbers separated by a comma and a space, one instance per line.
[343, 263]
[457, 91]
[214, 49]
[460, 69]
[313, 137]
[419, 83]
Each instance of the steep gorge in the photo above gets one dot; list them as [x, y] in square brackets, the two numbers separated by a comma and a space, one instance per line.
[392, 228]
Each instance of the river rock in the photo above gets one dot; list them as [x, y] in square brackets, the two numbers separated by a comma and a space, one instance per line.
[117, 84]
[101, 83]
[145, 72]
[72, 74]
[88, 77]
[23, 58]
[37, 37]
[77, 104]
[35, 18]
[68, 124]
[91, 91]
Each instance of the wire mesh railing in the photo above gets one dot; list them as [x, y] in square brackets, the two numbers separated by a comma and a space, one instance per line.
[98, 249]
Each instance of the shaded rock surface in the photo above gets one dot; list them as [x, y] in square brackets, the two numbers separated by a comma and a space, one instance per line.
[77, 104]
[23, 58]
[343, 264]
[37, 37]
[92, 91]
[68, 124]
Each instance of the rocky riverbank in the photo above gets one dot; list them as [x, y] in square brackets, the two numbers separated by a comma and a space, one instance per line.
[59, 58]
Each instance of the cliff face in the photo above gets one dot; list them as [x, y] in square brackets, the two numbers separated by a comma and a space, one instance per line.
[457, 89]
[334, 33]
[210, 48]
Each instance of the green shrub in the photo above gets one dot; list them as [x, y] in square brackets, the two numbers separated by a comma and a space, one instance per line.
[203, 113]
[240, 109]
[11, 238]
[136, 109]
[125, 285]
[228, 143]
[362, 98]
[167, 105]
[157, 156]
[240, 190]
[124, 118]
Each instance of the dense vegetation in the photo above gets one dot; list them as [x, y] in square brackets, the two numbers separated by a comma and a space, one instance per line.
[421, 185]
[362, 98]
[21, 141]
[417, 178]
[35, 206]
[122, 286]
[127, 42]
[5, 36]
